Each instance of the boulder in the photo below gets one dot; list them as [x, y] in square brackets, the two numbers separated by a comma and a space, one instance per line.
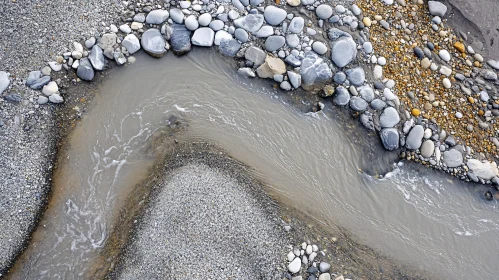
[85, 71]
[96, 57]
[343, 51]
[315, 73]
[251, 22]
[390, 138]
[203, 37]
[453, 158]
[153, 43]
[180, 39]
[131, 43]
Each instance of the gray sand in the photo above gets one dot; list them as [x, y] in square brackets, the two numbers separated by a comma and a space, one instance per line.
[205, 225]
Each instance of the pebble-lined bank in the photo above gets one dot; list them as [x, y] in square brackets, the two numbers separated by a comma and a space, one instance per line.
[325, 48]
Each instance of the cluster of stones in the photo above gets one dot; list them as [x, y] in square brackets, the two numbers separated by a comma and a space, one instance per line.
[445, 93]
[304, 263]
[321, 48]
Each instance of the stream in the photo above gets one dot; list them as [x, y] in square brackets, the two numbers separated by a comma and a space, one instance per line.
[314, 162]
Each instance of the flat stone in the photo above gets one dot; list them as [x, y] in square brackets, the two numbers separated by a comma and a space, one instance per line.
[131, 43]
[296, 25]
[250, 23]
[343, 51]
[378, 104]
[85, 71]
[264, 32]
[414, 138]
[315, 72]
[437, 8]
[241, 35]
[153, 43]
[157, 16]
[389, 117]
[203, 37]
[294, 79]
[358, 104]
[484, 170]
[274, 43]
[292, 40]
[229, 47]
[177, 15]
[180, 39]
[96, 57]
[255, 55]
[324, 11]
[356, 76]
[274, 15]
[390, 138]
[427, 148]
[216, 25]
[453, 158]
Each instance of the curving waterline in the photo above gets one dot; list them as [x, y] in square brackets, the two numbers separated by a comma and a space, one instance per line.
[424, 219]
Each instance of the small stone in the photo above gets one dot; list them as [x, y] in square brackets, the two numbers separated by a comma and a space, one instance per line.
[444, 55]
[453, 158]
[414, 138]
[460, 47]
[250, 23]
[427, 148]
[341, 96]
[358, 104]
[56, 98]
[324, 267]
[274, 15]
[85, 71]
[50, 88]
[343, 51]
[248, 72]
[191, 23]
[295, 265]
[296, 25]
[320, 48]
[446, 83]
[274, 43]
[415, 112]
[204, 19]
[390, 138]
[437, 8]
[324, 11]
[203, 37]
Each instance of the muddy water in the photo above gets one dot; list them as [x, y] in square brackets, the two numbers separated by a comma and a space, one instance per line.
[422, 218]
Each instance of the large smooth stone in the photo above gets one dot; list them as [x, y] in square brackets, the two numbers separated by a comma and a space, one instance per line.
[251, 22]
[177, 15]
[274, 15]
[427, 148]
[296, 25]
[131, 43]
[343, 51]
[341, 96]
[203, 37]
[180, 39]
[157, 16]
[85, 71]
[437, 8]
[153, 43]
[315, 73]
[356, 76]
[389, 117]
[453, 158]
[367, 93]
[413, 140]
[358, 104]
[390, 138]
[273, 43]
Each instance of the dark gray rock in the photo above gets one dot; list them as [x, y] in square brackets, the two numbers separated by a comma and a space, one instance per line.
[13, 97]
[251, 22]
[39, 83]
[390, 138]
[85, 71]
[315, 72]
[180, 39]
[229, 47]
[32, 77]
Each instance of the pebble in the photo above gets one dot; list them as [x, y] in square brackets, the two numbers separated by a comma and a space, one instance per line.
[368, 47]
[191, 23]
[319, 47]
[324, 267]
[296, 25]
[56, 98]
[427, 148]
[343, 51]
[390, 138]
[204, 19]
[324, 11]
[274, 43]
[446, 83]
[50, 88]
[85, 71]
[153, 43]
[241, 35]
[414, 138]
[437, 8]
[444, 55]
[274, 15]
[295, 265]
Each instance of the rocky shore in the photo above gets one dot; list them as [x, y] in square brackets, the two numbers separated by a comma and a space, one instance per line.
[396, 65]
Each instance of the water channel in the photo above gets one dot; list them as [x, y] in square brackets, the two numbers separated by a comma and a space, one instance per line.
[314, 162]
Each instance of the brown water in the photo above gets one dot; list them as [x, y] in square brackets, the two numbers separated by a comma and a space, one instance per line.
[420, 217]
